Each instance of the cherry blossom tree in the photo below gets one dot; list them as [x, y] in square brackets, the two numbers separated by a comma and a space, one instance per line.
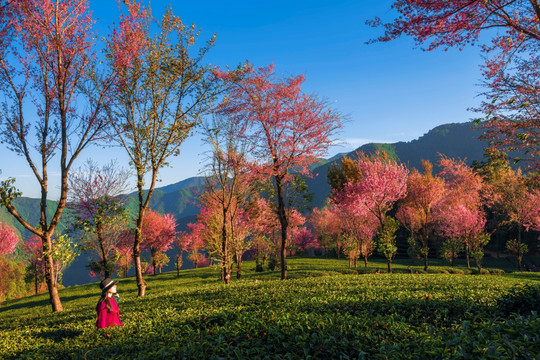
[383, 183]
[354, 226]
[162, 92]
[158, 233]
[8, 239]
[285, 130]
[97, 209]
[415, 210]
[262, 227]
[511, 68]
[460, 214]
[53, 101]
[305, 240]
[194, 238]
[526, 211]
[227, 190]
[461, 222]
[36, 264]
[326, 227]
[123, 253]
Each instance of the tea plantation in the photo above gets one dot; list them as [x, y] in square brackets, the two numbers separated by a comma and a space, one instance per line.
[324, 311]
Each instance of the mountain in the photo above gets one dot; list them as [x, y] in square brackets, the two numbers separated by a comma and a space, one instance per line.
[458, 140]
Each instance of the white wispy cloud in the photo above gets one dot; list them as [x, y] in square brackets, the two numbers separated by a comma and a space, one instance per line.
[354, 143]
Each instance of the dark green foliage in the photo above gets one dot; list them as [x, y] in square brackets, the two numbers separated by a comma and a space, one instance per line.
[520, 300]
[273, 264]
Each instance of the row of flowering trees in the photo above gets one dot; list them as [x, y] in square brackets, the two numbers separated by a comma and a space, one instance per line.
[371, 198]
[452, 206]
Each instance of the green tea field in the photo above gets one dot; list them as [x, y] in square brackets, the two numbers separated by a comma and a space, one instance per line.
[325, 310]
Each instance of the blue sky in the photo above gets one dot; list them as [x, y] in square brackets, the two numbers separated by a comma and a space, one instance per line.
[389, 91]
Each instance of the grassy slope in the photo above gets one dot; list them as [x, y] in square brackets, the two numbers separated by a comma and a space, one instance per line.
[321, 312]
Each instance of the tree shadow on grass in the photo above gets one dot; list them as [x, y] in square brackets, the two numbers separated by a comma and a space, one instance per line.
[58, 335]
[35, 303]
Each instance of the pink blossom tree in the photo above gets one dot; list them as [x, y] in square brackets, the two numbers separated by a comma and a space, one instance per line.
[158, 233]
[305, 240]
[460, 213]
[325, 225]
[262, 226]
[53, 97]
[530, 212]
[383, 183]
[182, 244]
[511, 68]
[124, 251]
[97, 210]
[195, 238]
[36, 265]
[8, 239]
[285, 130]
[415, 211]
[163, 89]
[358, 228]
[461, 222]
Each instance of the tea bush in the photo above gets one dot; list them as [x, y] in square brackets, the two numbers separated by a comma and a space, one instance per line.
[318, 313]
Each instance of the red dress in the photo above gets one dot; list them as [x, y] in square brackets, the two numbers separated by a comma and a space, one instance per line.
[106, 318]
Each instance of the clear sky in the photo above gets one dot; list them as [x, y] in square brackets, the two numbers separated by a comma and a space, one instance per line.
[389, 91]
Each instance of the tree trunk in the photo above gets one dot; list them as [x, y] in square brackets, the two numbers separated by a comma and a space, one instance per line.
[238, 266]
[141, 283]
[154, 267]
[284, 224]
[178, 263]
[54, 298]
[478, 265]
[389, 262]
[425, 262]
[365, 262]
[99, 234]
[225, 276]
[36, 277]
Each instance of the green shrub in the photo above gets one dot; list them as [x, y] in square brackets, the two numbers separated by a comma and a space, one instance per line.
[273, 264]
[520, 300]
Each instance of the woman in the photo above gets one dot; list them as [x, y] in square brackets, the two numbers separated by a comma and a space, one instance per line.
[107, 310]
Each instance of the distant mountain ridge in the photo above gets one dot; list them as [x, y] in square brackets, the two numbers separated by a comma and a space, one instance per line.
[457, 140]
